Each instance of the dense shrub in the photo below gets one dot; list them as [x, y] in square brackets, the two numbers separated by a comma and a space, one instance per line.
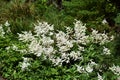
[46, 53]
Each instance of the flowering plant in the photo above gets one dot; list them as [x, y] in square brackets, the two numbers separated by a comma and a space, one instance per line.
[73, 48]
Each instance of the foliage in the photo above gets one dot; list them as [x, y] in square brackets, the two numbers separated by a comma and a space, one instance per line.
[87, 11]
[19, 14]
[117, 19]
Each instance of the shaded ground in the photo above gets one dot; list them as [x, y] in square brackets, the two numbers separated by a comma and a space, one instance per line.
[1, 78]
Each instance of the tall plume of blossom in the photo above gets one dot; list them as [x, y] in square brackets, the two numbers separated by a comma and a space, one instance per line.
[63, 41]
[35, 48]
[100, 38]
[24, 65]
[26, 36]
[80, 33]
[2, 33]
[7, 23]
[100, 77]
[43, 28]
[115, 69]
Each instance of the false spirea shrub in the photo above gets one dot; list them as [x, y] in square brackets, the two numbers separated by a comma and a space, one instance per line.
[88, 52]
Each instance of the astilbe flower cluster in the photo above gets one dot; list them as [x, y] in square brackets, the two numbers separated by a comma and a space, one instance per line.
[1, 31]
[24, 65]
[58, 46]
[115, 69]
[100, 38]
[100, 77]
